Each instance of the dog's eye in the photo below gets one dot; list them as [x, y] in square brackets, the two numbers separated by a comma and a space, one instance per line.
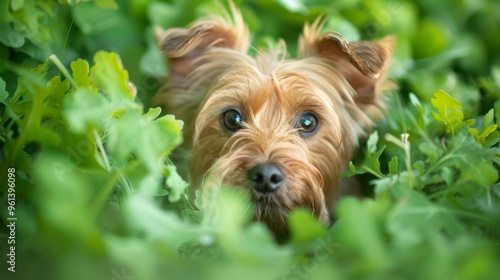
[307, 123]
[232, 120]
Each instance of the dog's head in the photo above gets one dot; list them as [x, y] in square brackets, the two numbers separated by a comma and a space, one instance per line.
[280, 129]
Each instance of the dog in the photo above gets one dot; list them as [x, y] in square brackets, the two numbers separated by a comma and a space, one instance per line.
[280, 129]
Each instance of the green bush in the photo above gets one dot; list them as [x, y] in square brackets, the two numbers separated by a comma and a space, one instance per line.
[96, 195]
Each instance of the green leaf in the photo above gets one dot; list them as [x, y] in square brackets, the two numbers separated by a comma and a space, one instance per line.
[84, 108]
[414, 100]
[352, 171]
[152, 113]
[470, 160]
[469, 122]
[415, 219]
[371, 163]
[372, 141]
[488, 118]
[30, 20]
[57, 92]
[52, 172]
[231, 207]
[447, 175]
[492, 139]
[254, 246]
[449, 111]
[3, 93]
[176, 184]
[487, 128]
[43, 135]
[109, 75]
[431, 151]
[419, 166]
[486, 132]
[80, 68]
[35, 109]
[481, 171]
[149, 141]
[359, 229]
[393, 166]
[352, 167]
[159, 224]
[304, 227]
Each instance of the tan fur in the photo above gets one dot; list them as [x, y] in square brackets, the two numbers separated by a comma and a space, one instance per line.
[210, 72]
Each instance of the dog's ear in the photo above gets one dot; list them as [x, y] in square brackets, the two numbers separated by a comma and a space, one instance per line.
[182, 46]
[362, 63]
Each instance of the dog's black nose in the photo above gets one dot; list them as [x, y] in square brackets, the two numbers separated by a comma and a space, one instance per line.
[266, 177]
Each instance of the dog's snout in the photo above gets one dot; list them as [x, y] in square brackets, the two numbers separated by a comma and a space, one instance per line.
[266, 178]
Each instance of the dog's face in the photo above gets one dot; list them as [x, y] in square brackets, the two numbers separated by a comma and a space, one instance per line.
[272, 135]
[281, 130]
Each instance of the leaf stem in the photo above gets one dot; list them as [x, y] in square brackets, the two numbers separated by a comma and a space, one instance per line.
[409, 168]
[373, 172]
[103, 194]
[63, 70]
[101, 148]
[67, 37]
[444, 158]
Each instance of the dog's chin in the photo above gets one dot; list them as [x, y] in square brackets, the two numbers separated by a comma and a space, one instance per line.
[274, 216]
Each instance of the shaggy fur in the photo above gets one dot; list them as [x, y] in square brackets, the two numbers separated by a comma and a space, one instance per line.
[211, 72]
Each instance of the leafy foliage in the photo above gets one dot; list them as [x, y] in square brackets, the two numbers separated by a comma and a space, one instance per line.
[97, 195]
